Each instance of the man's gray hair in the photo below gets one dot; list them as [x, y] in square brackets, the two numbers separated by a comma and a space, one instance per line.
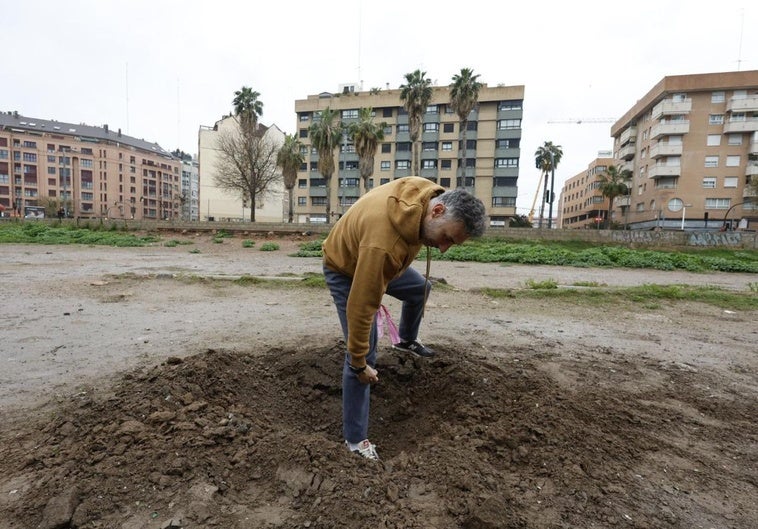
[466, 208]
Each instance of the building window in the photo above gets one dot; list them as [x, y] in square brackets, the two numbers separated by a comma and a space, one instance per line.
[404, 146]
[709, 183]
[717, 203]
[716, 119]
[504, 181]
[505, 124]
[387, 112]
[385, 166]
[445, 182]
[500, 202]
[383, 181]
[734, 139]
[448, 127]
[428, 164]
[302, 183]
[431, 127]
[447, 145]
[429, 146]
[318, 201]
[714, 140]
[731, 182]
[386, 147]
[302, 201]
[304, 117]
[350, 114]
[509, 143]
[431, 109]
[738, 117]
[514, 104]
[733, 161]
[718, 97]
[711, 161]
[403, 127]
[506, 162]
[446, 164]
[303, 133]
[402, 164]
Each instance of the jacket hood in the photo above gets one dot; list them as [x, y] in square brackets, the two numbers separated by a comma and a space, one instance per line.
[407, 206]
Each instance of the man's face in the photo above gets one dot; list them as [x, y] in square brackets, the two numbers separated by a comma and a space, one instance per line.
[441, 232]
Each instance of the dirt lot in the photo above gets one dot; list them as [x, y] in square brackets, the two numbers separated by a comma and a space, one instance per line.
[139, 390]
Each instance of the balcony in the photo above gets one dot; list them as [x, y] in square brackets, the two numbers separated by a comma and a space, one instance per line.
[743, 104]
[746, 125]
[749, 193]
[663, 171]
[669, 107]
[621, 201]
[627, 152]
[671, 128]
[753, 147]
[751, 169]
[665, 149]
[628, 136]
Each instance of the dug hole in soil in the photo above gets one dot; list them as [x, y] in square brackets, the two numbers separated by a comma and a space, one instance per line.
[534, 414]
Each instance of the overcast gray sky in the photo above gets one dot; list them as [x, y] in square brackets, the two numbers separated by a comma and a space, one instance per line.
[159, 69]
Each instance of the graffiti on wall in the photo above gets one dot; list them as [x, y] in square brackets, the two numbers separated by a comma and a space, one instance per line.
[644, 237]
[727, 238]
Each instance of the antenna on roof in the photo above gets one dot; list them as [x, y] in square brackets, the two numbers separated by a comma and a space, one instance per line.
[739, 51]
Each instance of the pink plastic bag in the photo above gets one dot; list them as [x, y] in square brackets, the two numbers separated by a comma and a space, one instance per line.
[383, 318]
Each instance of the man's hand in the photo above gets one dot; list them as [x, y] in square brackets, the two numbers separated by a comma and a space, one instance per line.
[368, 376]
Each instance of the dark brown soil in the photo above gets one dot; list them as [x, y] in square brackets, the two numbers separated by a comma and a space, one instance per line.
[540, 415]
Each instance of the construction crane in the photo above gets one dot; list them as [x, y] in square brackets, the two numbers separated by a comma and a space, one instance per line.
[572, 121]
[581, 121]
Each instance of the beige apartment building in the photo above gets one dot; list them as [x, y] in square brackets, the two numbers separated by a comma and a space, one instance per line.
[218, 204]
[692, 145]
[89, 172]
[493, 148]
[582, 204]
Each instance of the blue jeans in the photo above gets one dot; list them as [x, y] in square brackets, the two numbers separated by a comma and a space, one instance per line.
[408, 288]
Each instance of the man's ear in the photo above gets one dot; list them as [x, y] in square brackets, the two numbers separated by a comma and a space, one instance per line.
[438, 210]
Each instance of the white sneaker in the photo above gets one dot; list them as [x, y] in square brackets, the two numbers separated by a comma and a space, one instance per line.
[364, 449]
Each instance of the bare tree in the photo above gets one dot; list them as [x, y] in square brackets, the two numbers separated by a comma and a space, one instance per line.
[247, 165]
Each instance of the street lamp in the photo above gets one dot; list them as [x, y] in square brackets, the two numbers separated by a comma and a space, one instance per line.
[552, 193]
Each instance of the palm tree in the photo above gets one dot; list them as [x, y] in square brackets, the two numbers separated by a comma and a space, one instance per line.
[366, 135]
[612, 185]
[326, 136]
[547, 158]
[248, 108]
[416, 94]
[290, 158]
[464, 95]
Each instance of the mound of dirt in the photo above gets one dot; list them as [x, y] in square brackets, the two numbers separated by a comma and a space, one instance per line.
[485, 440]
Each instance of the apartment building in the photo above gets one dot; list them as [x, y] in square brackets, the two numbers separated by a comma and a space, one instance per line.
[582, 204]
[219, 204]
[190, 190]
[692, 145]
[493, 148]
[84, 171]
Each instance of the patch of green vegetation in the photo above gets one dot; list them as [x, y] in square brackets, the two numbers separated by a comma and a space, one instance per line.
[247, 243]
[310, 249]
[269, 247]
[587, 284]
[194, 250]
[247, 280]
[753, 286]
[649, 296]
[175, 242]
[581, 254]
[542, 285]
[41, 233]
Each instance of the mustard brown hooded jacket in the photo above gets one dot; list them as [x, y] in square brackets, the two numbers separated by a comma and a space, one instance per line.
[375, 242]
